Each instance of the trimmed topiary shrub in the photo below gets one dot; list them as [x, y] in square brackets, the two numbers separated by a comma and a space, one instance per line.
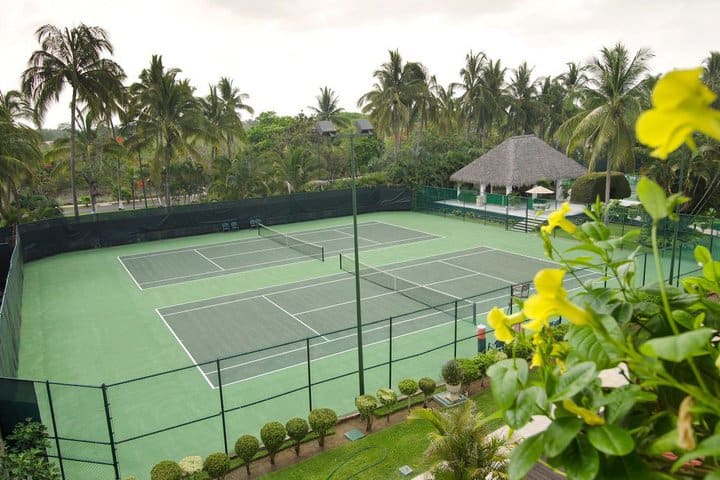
[191, 465]
[297, 429]
[519, 348]
[470, 371]
[166, 470]
[452, 372]
[366, 405]
[245, 448]
[273, 435]
[484, 360]
[387, 398]
[588, 187]
[408, 387]
[427, 387]
[217, 465]
[321, 420]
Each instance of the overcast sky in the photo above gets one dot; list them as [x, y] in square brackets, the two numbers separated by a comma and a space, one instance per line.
[281, 52]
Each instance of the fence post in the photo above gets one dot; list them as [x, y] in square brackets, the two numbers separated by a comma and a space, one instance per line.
[54, 425]
[644, 267]
[111, 435]
[507, 211]
[455, 340]
[309, 374]
[390, 353]
[677, 281]
[222, 404]
[527, 208]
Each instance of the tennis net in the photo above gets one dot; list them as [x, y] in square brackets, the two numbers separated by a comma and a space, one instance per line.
[306, 248]
[455, 307]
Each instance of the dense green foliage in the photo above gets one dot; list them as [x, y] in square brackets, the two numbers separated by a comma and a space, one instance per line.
[452, 372]
[366, 405]
[588, 188]
[166, 470]
[245, 448]
[24, 454]
[217, 465]
[321, 420]
[427, 386]
[273, 435]
[297, 429]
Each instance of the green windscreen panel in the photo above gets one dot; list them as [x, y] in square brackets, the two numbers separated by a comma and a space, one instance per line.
[10, 314]
[17, 403]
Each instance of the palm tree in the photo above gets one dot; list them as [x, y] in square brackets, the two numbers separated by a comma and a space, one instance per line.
[232, 103]
[445, 107]
[472, 89]
[612, 101]
[523, 109]
[465, 451]
[327, 108]
[170, 115]
[72, 57]
[19, 151]
[391, 102]
[295, 166]
[711, 75]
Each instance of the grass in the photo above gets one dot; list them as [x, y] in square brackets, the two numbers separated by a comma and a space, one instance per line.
[379, 455]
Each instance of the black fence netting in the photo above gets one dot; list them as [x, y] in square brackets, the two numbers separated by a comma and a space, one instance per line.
[10, 314]
[58, 235]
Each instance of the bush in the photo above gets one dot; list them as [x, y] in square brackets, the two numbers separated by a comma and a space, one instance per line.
[245, 448]
[588, 187]
[559, 331]
[519, 348]
[297, 429]
[217, 465]
[273, 435]
[452, 372]
[470, 370]
[387, 398]
[427, 386]
[366, 404]
[484, 360]
[321, 420]
[190, 465]
[166, 470]
[408, 387]
[27, 435]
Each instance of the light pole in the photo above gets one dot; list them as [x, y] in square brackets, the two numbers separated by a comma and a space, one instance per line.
[364, 128]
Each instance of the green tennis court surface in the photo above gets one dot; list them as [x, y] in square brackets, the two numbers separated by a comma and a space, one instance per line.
[168, 267]
[220, 327]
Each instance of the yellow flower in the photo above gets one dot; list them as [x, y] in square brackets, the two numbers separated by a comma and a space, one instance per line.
[681, 106]
[588, 416]
[502, 324]
[557, 219]
[551, 300]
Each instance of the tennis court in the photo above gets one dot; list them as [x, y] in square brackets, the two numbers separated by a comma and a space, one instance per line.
[220, 327]
[270, 248]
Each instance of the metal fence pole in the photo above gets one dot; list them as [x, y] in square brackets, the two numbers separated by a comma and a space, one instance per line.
[111, 435]
[527, 208]
[456, 333]
[54, 425]
[507, 211]
[222, 404]
[677, 281]
[644, 267]
[309, 374]
[390, 353]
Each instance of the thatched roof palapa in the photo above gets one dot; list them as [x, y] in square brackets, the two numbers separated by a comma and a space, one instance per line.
[518, 161]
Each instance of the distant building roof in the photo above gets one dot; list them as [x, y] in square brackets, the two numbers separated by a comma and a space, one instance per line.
[518, 161]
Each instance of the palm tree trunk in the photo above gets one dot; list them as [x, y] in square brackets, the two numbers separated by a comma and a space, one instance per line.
[167, 176]
[607, 191]
[72, 153]
[142, 178]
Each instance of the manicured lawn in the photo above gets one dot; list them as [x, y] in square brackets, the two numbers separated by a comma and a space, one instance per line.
[381, 453]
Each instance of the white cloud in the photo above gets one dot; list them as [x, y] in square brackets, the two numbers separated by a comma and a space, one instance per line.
[281, 52]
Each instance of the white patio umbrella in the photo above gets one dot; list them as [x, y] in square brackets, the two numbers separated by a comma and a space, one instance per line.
[537, 189]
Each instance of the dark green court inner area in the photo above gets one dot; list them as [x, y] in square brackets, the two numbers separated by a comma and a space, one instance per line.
[258, 321]
[166, 267]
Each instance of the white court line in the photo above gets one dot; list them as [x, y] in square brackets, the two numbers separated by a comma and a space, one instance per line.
[296, 319]
[182, 345]
[359, 237]
[206, 258]
[128, 272]
[412, 229]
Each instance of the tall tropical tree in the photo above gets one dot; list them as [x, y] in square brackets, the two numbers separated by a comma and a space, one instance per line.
[484, 100]
[612, 101]
[711, 75]
[72, 57]
[391, 102]
[169, 115]
[523, 111]
[445, 113]
[232, 104]
[327, 107]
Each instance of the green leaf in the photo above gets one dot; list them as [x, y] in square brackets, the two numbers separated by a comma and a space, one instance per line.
[560, 433]
[702, 255]
[611, 439]
[627, 466]
[575, 379]
[653, 198]
[621, 400]
[586, 346]
[714, 475]
[665, 443]
[678, 347]
[580, 460]
[708, 447]
[524, 456]
[596, 230]
[527, 404]
[507, 377]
